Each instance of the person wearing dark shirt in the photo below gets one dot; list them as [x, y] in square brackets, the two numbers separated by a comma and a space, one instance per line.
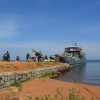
[17, 58]
[27, 56]
[7, 56]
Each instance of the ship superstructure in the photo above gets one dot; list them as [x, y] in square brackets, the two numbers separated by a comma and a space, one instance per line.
[73, 55]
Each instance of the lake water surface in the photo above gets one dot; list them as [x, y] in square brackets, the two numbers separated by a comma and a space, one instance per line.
[89, 73]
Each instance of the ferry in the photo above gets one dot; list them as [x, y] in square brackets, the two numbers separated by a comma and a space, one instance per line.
[73, 55]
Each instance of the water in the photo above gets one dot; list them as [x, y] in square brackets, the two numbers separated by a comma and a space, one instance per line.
[89, 73]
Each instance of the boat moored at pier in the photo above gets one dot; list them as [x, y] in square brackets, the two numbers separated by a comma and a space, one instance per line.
[73, 55]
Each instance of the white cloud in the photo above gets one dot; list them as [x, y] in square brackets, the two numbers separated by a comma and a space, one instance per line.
[8, 27]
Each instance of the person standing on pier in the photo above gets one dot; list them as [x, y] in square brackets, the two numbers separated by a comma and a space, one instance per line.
[27, 56]
[17, 58]
[7, 56]
[39, 56]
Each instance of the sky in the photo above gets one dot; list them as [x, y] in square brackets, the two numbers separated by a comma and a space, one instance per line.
[49, 26]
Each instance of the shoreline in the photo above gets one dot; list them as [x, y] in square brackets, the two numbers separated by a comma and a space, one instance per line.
[80, 82]
[49, 86]
[31, 70]
[41, 87]
[24, 67]
[37, 66]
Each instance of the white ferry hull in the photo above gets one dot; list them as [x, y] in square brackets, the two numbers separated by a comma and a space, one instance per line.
[74, 62]
[73, 55]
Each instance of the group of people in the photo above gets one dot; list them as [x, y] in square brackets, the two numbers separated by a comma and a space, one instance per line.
[38, 57]
[6, 57]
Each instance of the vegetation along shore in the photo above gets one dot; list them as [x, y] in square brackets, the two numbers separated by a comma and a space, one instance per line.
[43, 88]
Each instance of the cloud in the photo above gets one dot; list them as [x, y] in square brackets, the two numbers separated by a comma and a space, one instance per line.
[8, 27]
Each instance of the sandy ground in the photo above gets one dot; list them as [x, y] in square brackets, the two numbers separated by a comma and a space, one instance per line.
[45, 86]
[23, 66]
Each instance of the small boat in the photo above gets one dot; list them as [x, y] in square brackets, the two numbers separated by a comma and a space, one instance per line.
[73, 55]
